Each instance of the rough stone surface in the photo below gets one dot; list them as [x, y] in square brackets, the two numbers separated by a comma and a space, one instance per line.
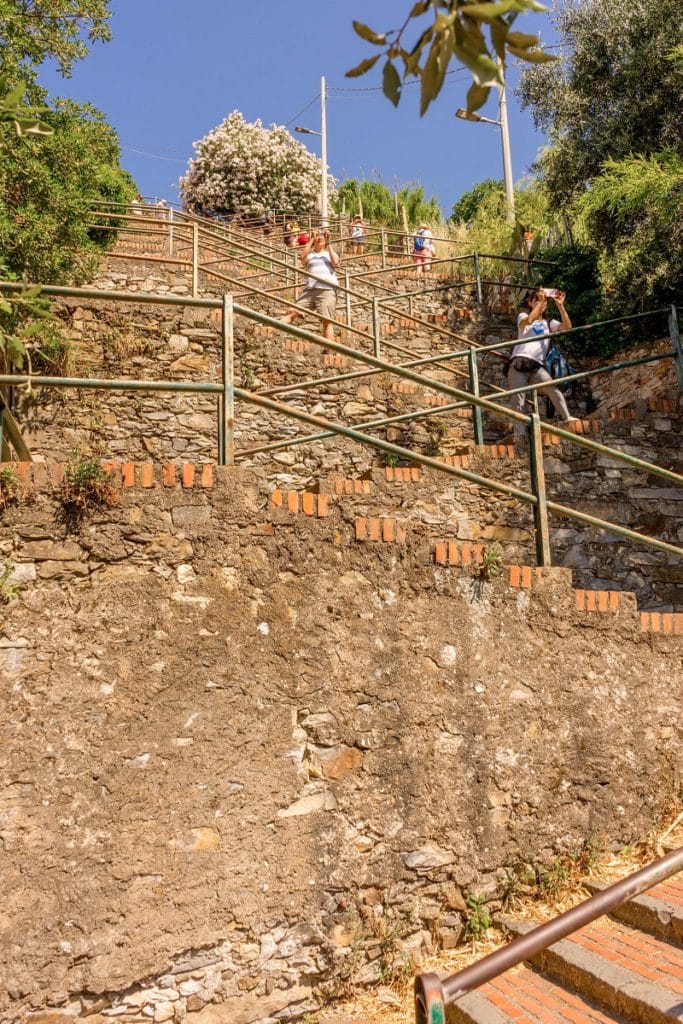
[190, 797]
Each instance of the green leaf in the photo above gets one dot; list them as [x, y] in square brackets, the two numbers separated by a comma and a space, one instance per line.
[432, 76]
[522, 40]
[484, 70]
[391, 83]
[31, 293]
[499, 36]
[532, 56]
[364, 66]
[26, 126]
[31, 330]
[13, 98]
[5, 307]
[533, 5]
[424, 38]
[368, 34]
[477, 96]
[488, 12]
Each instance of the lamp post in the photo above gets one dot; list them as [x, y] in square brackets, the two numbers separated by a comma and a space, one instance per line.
[323, 149]
[505, 142]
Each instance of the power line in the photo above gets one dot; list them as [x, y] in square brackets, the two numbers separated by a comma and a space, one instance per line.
[296, 116]
[362, 94]
[157, 156]
[378, 88]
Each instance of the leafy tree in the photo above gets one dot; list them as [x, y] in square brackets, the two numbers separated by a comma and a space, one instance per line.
[613, 93]
[633, 213]
[469, 202]
[447, 30]
[488, 231]
[49, 187]
[242, 167]
[382, 206]
[32, 31]
[576, 272]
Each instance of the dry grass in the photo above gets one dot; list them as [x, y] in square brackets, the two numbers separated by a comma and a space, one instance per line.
[393, 1004]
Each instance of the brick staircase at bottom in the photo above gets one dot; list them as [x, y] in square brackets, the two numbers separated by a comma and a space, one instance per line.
[625, 969]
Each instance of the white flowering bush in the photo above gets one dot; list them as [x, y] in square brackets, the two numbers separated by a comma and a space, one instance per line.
[242, 168]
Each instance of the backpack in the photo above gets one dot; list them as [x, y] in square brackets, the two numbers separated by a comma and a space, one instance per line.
[557, 366]
[418, 242]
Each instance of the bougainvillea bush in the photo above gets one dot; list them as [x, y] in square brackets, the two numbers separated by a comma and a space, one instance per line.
[242, 168]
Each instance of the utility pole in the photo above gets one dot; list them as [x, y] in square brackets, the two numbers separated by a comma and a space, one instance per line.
[502, 123]
[507, 159]
[323, 151]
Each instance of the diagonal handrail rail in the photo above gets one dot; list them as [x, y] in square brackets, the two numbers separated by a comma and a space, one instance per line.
[434, 328]
[228, 392]
[433, 995]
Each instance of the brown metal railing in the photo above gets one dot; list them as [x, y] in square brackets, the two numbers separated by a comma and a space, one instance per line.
[433, 995]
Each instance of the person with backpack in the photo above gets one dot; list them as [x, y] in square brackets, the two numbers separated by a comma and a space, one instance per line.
[528, 357]
[423, 249]
[357, 238]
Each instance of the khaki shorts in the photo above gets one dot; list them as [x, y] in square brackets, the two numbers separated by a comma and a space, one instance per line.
[322, 300]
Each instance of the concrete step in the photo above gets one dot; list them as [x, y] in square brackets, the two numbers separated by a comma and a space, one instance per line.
[659, 911]
[523, 995]
[624, 970]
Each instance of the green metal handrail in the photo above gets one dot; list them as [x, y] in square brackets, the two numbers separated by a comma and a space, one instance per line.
[228, 392]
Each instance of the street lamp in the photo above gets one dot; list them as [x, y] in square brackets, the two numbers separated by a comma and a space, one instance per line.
[505, 142]
[323, 149]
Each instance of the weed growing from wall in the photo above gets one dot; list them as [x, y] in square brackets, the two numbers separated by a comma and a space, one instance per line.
[8, 591]
[86, 485]
[9, 486]
[478, 918]
[491, 562]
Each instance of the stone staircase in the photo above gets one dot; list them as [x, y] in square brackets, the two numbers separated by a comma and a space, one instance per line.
[626, 969]
[171, 343]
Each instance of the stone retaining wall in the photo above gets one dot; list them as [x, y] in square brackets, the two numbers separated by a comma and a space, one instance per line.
[238, 769]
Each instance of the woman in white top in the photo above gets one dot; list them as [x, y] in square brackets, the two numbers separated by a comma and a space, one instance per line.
[357, 240]
[526, 365]
[320, 291]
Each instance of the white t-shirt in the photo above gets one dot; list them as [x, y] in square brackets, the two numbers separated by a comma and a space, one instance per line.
[320, 264]
[357, 232]
[531, 348]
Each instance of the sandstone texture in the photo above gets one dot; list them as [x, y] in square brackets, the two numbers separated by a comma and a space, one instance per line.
[236, 760]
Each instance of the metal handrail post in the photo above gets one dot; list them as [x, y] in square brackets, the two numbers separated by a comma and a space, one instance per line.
[675, 335]
[477, 278]
[195, 261]
[430, 1001]
[383, 242]
[541, 531]
[170, 231]
[376, 327]
[348, 297]
[226, 426]
[477, 419]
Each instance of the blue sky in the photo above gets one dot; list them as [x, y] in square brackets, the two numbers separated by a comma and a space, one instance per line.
[175, 69]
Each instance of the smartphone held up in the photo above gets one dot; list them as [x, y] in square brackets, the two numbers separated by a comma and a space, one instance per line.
[551, 293]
